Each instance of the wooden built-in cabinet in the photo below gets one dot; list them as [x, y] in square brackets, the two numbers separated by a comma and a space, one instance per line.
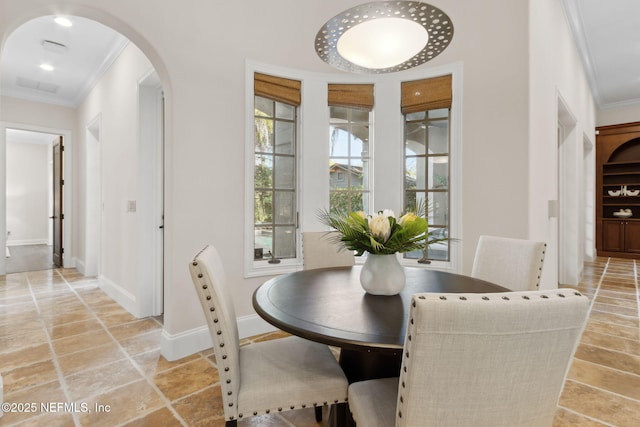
[618, 190]
[621, 236]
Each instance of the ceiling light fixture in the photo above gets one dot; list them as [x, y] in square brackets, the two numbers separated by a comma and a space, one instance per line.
[47, 67]
[63, 22]
[383, 37]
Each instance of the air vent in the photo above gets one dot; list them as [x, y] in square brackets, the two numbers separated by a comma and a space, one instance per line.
[34, 84]
[55, 47]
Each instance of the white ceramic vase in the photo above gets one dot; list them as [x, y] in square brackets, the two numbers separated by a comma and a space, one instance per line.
[382, 275]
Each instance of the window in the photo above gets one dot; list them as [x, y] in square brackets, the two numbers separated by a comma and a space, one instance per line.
[275, 165]
[426, 106]
[349, 142]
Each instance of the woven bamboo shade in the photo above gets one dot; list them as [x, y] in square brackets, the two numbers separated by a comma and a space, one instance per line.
[427, 94]
[351, 95]
[277, 88]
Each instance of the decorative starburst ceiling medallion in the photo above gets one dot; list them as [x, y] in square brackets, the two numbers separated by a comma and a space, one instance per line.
[384, 37]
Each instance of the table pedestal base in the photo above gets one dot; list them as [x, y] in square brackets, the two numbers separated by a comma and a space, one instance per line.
[360, 366]
[369, 365]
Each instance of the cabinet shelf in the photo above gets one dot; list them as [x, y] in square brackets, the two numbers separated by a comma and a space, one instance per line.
[628, 163]
[618, 167]
[606, 174]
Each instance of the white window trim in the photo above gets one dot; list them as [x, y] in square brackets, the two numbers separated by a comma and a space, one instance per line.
[252, 267]
[308, 201]
[455, 157]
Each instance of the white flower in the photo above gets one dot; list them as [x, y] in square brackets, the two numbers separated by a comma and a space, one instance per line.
[387, 213]
[380, 227]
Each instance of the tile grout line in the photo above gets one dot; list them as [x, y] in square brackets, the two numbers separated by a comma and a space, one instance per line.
[604, 390]
[633, 374]
[163, 398]
[605, 270]
[635, 276]
[591, 304]
[599, 421]
[595, 294]
[54, 355]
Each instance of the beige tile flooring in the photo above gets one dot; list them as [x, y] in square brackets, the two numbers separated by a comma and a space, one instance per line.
[63, 340]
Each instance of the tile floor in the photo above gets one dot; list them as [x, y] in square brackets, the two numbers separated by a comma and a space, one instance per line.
[29, 258]
[63, 340]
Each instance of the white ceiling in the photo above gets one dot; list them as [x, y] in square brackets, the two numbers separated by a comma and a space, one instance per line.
[88, 49]
[607, 35]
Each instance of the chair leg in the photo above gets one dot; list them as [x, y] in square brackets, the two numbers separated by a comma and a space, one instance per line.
[231, 423]
[318, 413]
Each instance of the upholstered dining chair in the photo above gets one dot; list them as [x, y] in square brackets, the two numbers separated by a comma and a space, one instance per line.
[264, 377]
[319, 251]
[515, 264]
[478, 360]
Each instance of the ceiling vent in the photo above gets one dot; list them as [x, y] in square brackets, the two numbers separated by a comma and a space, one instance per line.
[54, 47]
[34, 84]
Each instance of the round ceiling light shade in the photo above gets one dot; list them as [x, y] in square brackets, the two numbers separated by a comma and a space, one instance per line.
[384, 37]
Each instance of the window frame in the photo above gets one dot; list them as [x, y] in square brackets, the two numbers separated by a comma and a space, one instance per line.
[427, 190]
[253, 267]
[369, 158]
[273, 189]
[455, 164]
[387, 150]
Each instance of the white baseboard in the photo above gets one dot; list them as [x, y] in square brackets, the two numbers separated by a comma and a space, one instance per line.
[79, 265]
[174, 347]
[119, 295]
[27, 242]
[253, 324]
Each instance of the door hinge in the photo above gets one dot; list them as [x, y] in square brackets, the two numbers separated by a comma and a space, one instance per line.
[61, 251]
[62, 182]
[61, 216]
[62, 148]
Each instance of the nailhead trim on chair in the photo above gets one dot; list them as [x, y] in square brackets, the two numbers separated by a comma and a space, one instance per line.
[212, 309]
[223, 365]
[540, 268]
[404, 372]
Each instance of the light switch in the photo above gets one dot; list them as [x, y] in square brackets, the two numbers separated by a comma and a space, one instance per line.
[131, 205]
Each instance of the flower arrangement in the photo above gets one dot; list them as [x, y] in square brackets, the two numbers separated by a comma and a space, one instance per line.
[380, 233]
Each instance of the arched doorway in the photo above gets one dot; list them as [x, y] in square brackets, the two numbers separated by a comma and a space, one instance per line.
[120, 217]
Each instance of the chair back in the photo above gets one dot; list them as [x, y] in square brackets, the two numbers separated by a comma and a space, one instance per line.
[319, 251]
[488, 359]
[207, 273]
[515, 264]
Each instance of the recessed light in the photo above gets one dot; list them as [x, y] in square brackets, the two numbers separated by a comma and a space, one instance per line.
[63, 22]
[47, 67]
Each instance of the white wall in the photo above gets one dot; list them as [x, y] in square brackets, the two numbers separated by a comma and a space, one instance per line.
[556, 78]
[200, 58]
[28, 187]
[16, 110]
[615, 116]
[38, 117]
[115, 100]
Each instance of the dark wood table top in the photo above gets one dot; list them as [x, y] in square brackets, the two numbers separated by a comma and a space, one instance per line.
[329, 305]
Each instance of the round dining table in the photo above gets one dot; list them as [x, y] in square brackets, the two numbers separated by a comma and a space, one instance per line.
[329, 306]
